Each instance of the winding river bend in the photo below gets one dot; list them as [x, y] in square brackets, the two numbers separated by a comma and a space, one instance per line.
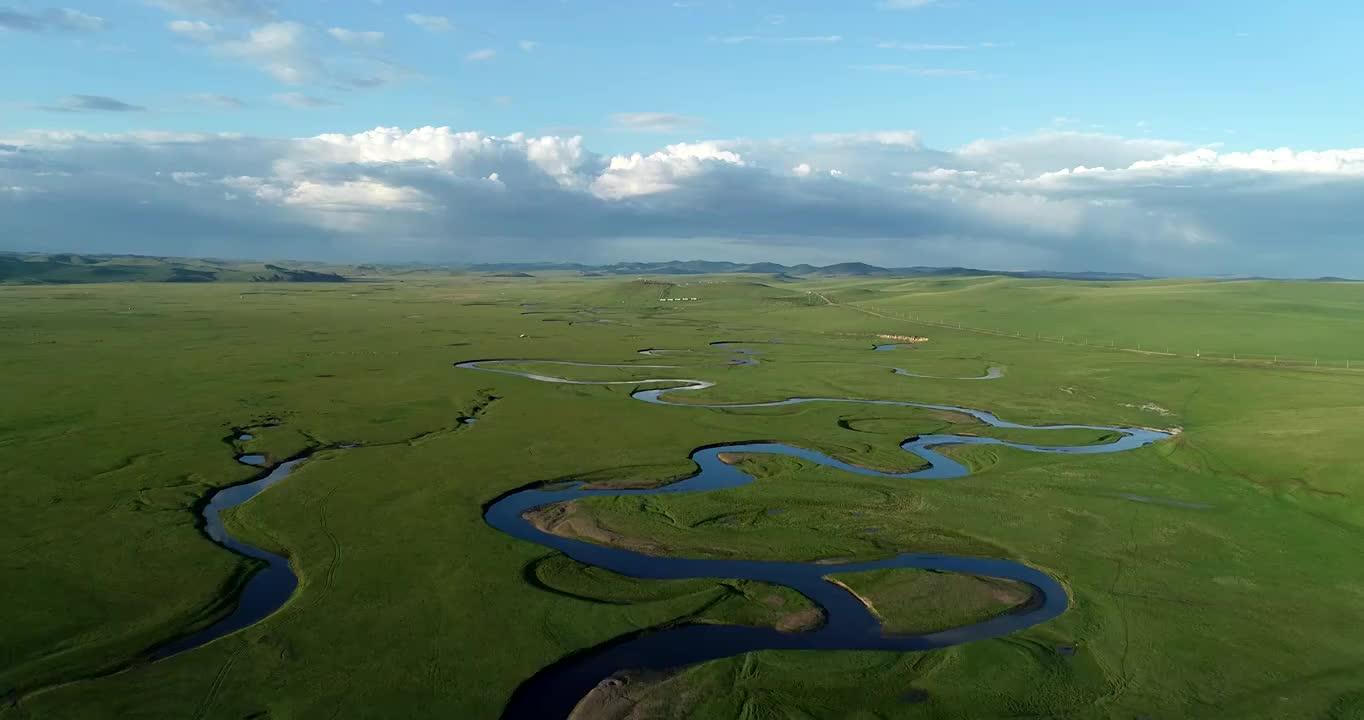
[267, 589]
[849, 625]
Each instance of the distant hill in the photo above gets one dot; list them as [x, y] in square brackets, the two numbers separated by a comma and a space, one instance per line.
[282, 274]
[848, 269]
[57, 268]
[69, 268]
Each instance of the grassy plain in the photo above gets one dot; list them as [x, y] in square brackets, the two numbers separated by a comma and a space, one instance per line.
[1259, 318]
[117, 399]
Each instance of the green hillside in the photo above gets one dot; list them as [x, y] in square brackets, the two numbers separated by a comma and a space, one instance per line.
[67, 268]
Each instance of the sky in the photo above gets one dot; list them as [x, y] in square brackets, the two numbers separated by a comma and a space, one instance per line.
[1164, 137]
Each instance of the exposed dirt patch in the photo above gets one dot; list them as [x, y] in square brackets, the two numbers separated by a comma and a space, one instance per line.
[570, 521]
[904, 338]
[807, 619]
[1011, 594]
[1149, 407]
[629, 696]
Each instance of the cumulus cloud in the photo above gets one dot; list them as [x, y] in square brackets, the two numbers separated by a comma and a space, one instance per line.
[1066, 201]
[482, 55]
[634, 175]
[50, 20]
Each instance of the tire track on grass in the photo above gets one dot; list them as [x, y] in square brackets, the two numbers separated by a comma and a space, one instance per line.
[330, 577]
[216, 686]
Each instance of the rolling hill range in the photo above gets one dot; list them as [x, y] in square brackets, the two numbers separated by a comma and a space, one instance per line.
[20, 268]
[62, 268]
[847, 269]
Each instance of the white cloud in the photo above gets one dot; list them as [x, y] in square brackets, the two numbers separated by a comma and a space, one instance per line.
[352, 195]
[296, 54]
[905, 138]
[808, 39]
[51, 20]
[216, 100]
[77, 21]
[633, 175]
[653, 121]
[303, 101]
[1282, 160]
[904, 4]
[921, 47]
[277, 48]
[247, 9]
[1067, 201]
[561, 160]
[482, 55]
[91, 103]
[196, 30]
[920, 71]
[1049, 151]
[370, 38]
[527, 45]
[191, 179]
[433, 23]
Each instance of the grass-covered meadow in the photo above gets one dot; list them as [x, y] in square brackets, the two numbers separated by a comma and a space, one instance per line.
[116, 399]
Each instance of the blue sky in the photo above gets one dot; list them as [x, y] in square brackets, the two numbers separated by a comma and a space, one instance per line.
[1245, 74]
[867, 96]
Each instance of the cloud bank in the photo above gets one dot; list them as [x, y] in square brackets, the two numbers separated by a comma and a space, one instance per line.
[1057, 200]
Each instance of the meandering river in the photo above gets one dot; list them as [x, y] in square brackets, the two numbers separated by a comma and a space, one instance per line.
[849, 625]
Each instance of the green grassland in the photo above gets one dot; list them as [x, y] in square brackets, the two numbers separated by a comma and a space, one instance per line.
[117, 399]
[916, 601]
[1260, 318]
